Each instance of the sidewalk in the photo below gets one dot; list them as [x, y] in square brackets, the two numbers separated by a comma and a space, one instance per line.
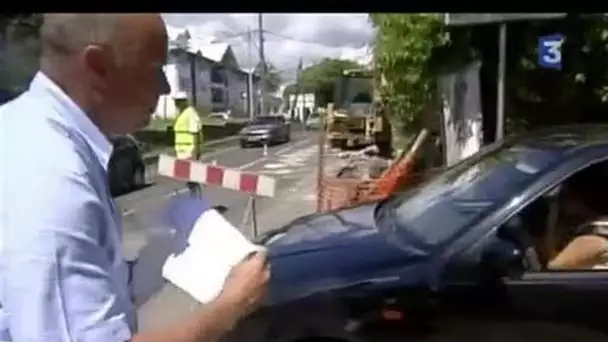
[299, 200]
[295, 202]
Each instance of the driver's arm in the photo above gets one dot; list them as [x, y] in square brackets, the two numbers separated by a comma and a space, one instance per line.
[583, 252]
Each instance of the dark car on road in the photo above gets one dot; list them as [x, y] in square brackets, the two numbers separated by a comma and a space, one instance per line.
[126, 168]
[266, 129]
[463, 256]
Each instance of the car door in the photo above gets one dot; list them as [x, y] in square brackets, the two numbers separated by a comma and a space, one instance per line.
[479, 304]
[512, 297]
[576, 299]
[563, 301]
[282, 126]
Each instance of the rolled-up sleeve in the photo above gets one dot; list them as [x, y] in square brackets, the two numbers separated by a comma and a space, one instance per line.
[57, 282]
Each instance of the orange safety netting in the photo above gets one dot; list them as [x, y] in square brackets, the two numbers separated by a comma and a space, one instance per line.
[390, 181]
[338, 193]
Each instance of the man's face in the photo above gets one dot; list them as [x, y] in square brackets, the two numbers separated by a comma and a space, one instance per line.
[134, 79]
[180, 103]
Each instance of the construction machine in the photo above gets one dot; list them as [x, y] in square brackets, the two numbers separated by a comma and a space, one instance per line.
[357, 118]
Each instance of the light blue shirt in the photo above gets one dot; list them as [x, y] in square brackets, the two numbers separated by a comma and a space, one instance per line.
[62, 274]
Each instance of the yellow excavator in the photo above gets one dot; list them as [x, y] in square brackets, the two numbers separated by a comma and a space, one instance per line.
[358, 119]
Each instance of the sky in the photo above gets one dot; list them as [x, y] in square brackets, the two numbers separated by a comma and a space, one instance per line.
[311, 37]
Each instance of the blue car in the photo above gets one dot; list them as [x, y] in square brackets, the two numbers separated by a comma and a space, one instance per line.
[471, 254]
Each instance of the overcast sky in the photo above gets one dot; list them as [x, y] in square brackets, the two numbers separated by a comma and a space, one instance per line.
[289, 37]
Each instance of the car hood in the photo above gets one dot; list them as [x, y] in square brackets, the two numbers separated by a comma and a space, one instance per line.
[337, 250]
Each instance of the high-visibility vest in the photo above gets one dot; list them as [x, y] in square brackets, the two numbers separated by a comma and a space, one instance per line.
[185, 144]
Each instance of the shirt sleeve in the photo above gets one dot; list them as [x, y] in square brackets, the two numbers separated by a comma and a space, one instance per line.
[57, 280]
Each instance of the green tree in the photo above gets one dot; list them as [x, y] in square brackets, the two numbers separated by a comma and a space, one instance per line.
[578, 92]
[19, 49]
[410, 50]
[404, 48]
[321, 78]
[19, 23]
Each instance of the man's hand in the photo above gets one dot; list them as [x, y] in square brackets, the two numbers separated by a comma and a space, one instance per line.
[243, 291]
[245, 286]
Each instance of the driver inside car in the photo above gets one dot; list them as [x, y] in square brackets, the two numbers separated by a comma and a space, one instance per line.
[584, 238]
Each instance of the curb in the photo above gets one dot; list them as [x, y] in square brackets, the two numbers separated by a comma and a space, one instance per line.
[152, 157]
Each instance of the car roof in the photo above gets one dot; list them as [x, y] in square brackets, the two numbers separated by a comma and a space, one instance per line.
[569, 137]
[573, 140]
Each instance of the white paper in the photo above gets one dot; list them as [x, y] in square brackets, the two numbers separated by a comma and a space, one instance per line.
[213, 247]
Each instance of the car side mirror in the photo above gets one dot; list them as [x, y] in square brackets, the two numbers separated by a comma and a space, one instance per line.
[502, 258]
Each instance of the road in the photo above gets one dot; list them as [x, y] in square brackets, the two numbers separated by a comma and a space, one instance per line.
[292, 164]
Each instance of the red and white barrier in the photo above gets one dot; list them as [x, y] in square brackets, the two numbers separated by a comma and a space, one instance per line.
[208, 174]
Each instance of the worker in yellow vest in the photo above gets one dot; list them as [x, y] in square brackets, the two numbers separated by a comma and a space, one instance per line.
[188, 130]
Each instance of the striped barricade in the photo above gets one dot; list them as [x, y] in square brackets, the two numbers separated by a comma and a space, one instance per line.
[193, 171]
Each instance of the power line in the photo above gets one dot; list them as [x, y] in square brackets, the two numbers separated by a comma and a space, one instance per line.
[279, 35]
[304, 41]
[234, 35]
[255, 44]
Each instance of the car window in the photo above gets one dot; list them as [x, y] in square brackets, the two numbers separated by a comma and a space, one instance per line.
[440, 208]
[566, 225]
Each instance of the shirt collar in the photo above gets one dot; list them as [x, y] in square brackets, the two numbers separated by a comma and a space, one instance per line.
[75, 115]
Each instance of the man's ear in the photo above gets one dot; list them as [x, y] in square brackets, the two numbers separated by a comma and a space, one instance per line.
[97, 62]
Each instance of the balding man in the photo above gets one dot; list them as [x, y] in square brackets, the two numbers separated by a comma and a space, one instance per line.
[62, 275]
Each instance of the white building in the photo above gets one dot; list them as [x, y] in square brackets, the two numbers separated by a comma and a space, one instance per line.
[209, 73]
[300, 104]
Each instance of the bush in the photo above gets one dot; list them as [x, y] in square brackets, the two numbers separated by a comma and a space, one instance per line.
[164, 138]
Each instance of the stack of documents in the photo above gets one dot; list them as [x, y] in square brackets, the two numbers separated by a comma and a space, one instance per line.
[206, 247]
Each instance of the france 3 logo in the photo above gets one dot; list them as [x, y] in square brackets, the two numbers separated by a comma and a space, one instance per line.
[550, 51]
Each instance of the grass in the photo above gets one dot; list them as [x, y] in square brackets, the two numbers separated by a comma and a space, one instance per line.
[150, 150]
[161, 124]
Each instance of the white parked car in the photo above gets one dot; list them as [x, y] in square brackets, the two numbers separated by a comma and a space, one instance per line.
[313, 122]
[223, 116]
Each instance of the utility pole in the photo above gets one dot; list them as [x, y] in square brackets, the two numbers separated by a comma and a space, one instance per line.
[250, 92]
[500, 98]
[298, 91]
[262, 65]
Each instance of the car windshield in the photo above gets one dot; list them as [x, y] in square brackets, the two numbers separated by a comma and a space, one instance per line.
[437, 210]
[265, 120]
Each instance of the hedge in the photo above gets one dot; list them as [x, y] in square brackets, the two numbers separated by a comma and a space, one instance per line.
[210, 132]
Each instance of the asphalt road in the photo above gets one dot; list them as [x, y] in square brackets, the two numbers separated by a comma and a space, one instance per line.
[139, 207]
[292, 164]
